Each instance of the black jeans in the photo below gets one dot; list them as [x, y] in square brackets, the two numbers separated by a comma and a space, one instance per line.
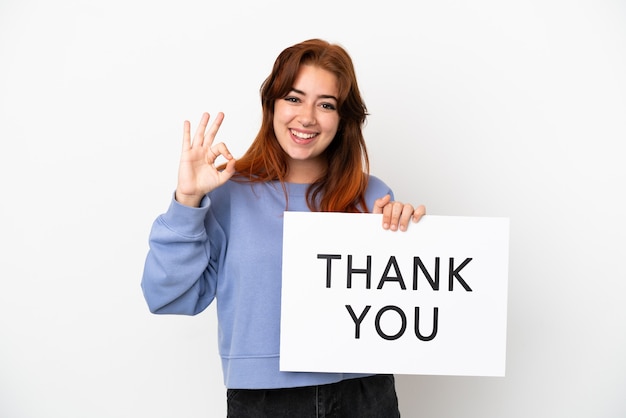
[367, 397]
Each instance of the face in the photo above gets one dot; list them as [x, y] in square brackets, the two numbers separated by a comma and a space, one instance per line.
[306, 121]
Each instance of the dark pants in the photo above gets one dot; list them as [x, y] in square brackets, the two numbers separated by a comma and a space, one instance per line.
[368, 397]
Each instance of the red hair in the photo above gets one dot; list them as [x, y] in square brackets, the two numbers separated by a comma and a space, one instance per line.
[341, 188]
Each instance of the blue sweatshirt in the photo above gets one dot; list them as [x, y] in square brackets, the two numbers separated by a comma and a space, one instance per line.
[230, 249]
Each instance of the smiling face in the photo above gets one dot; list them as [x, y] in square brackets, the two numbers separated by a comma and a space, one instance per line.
[306, 121]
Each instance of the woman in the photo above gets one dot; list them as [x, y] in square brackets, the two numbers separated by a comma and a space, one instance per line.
[221, 237]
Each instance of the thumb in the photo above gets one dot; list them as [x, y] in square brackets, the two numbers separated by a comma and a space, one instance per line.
[229, 170]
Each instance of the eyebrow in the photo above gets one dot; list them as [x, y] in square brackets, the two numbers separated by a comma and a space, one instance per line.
[322, 96]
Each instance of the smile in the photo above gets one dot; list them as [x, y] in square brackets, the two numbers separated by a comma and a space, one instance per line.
[302, 135]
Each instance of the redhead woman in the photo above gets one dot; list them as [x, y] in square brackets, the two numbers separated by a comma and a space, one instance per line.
[221, 237]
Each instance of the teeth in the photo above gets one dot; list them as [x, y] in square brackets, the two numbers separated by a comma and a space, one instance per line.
[302, 135]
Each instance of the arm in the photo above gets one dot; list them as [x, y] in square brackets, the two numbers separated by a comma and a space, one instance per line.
[179, 272]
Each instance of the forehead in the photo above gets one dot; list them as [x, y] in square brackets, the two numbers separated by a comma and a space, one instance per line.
[315, 80]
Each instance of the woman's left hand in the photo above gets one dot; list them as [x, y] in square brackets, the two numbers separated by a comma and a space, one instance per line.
[396, 215]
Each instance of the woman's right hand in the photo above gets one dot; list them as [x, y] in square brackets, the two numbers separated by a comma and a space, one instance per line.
[197, 174]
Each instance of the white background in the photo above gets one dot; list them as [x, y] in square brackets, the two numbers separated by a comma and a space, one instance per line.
[481, 108]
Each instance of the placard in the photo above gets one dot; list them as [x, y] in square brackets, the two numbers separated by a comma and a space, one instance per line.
[360, 299]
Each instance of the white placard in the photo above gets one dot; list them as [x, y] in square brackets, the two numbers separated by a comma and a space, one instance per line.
[361, 299]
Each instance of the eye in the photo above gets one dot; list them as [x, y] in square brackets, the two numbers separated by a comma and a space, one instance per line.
[328, 106]
[292, 99]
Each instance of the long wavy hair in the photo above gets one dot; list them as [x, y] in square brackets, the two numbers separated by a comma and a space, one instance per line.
[341, 187]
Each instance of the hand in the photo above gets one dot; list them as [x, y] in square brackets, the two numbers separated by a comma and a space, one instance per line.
[396, 215]
[197, 174]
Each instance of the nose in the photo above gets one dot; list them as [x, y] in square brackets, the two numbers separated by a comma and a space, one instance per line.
[307, 116]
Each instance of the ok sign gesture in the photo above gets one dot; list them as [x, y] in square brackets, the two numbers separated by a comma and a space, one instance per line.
[197, 174]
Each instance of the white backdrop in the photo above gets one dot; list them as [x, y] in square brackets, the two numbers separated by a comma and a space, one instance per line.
[478, 108]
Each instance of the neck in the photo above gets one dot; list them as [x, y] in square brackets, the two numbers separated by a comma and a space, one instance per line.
[305, 172]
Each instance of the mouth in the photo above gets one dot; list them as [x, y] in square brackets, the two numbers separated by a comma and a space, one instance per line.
[302, 137]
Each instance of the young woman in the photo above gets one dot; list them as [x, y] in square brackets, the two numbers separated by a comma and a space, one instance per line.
[221, 237]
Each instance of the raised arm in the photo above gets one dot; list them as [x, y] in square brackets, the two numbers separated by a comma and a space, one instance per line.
[179, 272]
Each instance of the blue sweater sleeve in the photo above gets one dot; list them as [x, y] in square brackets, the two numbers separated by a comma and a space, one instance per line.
[179, 273]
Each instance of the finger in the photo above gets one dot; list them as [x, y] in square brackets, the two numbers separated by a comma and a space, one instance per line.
[186, 135]
[396, 212]
[387, 215]
[418, 213]
[223, 150]
[216, 150]
[379, 204]
[212, 132]
[405, 216]
[198, 137]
